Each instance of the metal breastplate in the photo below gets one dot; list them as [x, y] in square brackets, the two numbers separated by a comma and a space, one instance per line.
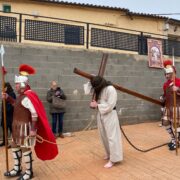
[21, 122]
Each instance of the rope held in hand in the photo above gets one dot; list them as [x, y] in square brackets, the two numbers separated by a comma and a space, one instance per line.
[40, 139]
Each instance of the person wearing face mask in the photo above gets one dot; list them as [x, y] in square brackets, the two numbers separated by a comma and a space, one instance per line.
[168, 99]
[56, 113]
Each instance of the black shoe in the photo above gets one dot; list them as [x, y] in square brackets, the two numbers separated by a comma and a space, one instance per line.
[170, 144]
[2, 144]
[172, 147]
[61, 135]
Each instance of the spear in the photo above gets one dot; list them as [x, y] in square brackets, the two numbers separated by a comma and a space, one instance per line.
[174, 100]
[3, 72]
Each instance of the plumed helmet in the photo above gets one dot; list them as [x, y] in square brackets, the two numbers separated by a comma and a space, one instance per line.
[168, 66]
[24, 71]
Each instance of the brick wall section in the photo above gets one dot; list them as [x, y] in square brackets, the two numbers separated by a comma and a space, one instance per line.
[129, 71]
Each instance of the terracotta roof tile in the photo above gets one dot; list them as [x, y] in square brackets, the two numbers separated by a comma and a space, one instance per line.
[127, 11]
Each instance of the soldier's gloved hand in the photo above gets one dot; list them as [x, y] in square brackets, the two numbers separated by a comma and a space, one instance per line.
[175, 88]
[4, 95]
[32, 133]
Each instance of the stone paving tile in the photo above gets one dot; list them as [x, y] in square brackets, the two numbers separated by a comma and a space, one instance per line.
[81, 158]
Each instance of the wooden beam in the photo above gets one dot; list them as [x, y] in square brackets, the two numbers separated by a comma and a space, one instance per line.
[120, 88]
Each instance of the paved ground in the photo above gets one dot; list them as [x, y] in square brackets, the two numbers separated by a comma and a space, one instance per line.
[81, 158]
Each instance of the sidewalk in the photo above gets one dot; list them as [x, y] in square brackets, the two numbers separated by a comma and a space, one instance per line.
[81, 158]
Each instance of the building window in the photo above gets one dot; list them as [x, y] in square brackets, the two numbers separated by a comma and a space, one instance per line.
[72, 35]
[6, 8]
[172, 45]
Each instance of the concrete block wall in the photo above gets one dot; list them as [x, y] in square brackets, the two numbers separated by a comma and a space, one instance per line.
[129, 71]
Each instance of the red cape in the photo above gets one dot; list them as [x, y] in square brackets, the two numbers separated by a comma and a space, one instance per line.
[168, 82]
[44, 151]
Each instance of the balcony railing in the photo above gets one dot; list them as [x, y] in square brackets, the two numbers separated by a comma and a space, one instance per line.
[27, 28]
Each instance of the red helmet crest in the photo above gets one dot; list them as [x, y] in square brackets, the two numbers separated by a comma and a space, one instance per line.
[25, 70]
[167, 63]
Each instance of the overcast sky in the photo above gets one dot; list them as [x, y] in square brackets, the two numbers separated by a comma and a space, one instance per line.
[141, 6]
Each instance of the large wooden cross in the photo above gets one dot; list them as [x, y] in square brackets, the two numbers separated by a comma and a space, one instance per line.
[102, 68]
[103, 65]
[118, 87]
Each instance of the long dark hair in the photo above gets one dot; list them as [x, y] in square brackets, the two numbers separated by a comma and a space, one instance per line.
[9, 87]
[99, 83]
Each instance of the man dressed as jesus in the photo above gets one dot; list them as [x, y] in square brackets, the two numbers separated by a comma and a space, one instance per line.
[107, 119]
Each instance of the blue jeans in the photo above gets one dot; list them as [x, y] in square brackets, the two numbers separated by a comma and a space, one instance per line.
[57, 117]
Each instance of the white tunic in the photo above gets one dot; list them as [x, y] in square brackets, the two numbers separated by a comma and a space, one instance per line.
[108, 124]
[26, 102]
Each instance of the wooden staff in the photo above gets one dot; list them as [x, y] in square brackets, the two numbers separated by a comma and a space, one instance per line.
[174, 101]
[120, 88]
[4, 106]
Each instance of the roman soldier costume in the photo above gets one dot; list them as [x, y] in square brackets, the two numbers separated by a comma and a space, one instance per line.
[168, 118]
[29, 121]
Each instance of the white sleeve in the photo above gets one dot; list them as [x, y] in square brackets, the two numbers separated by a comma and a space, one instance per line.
[87, 88]
[26, 102]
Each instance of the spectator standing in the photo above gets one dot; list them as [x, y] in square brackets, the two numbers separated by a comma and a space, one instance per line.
[56, 113]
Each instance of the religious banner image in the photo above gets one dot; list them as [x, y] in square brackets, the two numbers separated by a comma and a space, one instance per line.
[155, 53]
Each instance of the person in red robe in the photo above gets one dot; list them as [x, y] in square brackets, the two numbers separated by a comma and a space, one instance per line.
[29, 123]
[169, 88]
